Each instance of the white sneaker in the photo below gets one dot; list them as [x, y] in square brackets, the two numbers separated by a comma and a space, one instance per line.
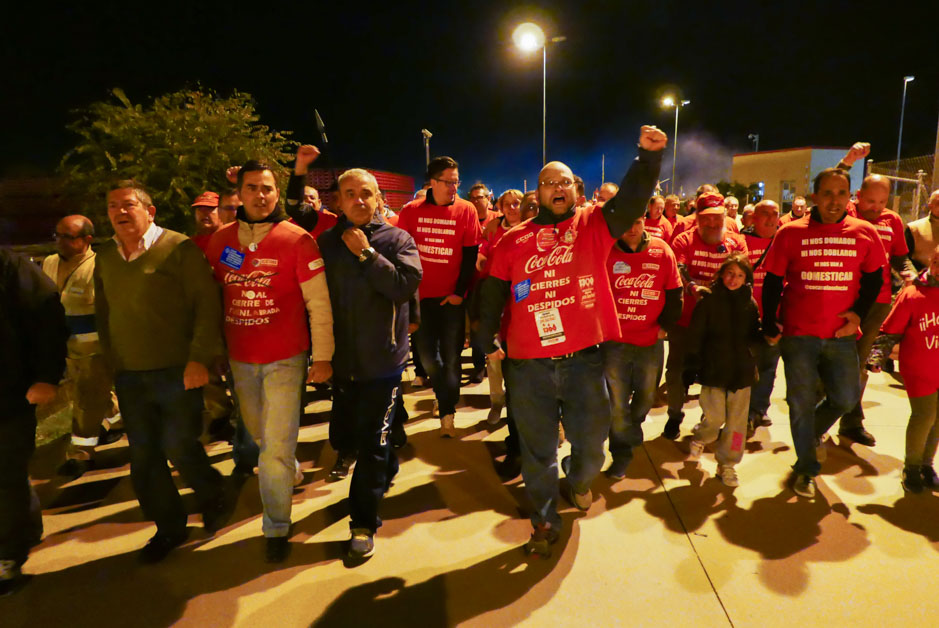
[696, 449]
[728, 476]
[447, 428]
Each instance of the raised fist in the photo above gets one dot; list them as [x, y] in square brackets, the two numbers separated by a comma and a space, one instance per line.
[306, 155]
[859, 150]
[232, 174]
[652, 138]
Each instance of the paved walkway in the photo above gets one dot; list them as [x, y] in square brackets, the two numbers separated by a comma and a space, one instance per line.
[667, 546]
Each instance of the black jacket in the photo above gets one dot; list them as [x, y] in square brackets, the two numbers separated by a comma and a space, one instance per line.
[370, 299]
[724, 330]
[32, 332]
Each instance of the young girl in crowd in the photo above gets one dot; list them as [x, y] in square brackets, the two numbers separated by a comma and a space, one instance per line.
[724, 327]
[914, 323]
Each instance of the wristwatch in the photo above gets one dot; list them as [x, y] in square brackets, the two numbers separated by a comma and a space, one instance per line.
[367, 254]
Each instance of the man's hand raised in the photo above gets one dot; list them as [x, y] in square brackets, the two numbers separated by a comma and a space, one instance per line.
[306, 155]
[859, 150]
[652, 138]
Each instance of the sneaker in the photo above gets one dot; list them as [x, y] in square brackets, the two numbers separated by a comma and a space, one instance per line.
[10, 577]
[108, 435]
[617, 469]
[510, 467]
[495, 414]
[341, 469]
[930, 480]
[362, 543]
[821, 449]
[803, 485]
[695, 449]
[912, 480]
[159, 546]
[399, 438]
[859, 435]
[672, 428]
[728, 475]
[542, 538]
[276, 549]
[580, 501]
[447, 428]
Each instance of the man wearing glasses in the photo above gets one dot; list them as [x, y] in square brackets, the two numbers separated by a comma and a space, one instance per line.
[446, 230]
[549, 274]
[88, 379]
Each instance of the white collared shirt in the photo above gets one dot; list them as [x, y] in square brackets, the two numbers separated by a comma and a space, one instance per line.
[151, 235]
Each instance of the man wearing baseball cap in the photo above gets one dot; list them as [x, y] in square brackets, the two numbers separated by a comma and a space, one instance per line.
[207, 222]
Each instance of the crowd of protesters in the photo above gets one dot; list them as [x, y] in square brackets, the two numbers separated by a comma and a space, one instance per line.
[570, 303]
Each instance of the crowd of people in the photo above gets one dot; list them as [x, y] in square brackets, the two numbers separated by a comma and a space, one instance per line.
[569, 302]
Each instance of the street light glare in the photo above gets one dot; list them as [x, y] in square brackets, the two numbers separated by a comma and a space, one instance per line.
[528, 37]
[668, 101]
[908, 79]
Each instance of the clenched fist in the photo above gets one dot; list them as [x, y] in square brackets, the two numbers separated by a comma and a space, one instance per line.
[859, 150]
[306, 155]
[652, 138]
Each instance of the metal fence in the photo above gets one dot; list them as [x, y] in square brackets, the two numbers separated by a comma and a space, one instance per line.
[912, 177]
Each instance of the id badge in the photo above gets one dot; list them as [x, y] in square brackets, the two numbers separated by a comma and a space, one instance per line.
[232, 258]
[550, 328]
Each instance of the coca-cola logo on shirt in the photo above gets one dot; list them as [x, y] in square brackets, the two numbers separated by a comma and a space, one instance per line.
[255, 279]
[644, 280]
[559, 255]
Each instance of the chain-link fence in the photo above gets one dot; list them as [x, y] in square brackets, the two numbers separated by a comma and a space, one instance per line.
[911, 183]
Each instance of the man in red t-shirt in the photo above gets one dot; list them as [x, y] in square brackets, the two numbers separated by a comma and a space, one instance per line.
[647, 292]
[759, 237]
[480, 197]
[275, 301]
[656, 224]
[699, 252]
[799, 207]
[549, 275]
[672, 204]
[832, 266]
[207, 219]
[446, 231]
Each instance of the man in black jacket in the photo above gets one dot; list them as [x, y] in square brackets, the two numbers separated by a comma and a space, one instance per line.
[33, 336]
[372, 270]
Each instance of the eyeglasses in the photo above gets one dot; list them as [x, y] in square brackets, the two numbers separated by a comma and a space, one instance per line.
[64, 236]
[455, 184]
[564, 184]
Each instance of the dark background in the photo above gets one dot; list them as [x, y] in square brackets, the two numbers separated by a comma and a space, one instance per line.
[798, 73]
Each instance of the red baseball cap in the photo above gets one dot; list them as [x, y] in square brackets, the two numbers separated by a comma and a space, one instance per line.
[710, 204]
[206, 199]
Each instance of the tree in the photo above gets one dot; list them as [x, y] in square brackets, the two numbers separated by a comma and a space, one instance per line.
[740, 191]
[177, 147]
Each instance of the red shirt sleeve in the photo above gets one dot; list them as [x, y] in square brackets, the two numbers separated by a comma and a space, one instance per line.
[672, 278]
[899, 318]
[876, 257]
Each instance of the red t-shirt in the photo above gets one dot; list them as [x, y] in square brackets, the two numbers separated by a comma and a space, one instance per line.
[265, 315]
[202, 240]
[660, 228]
[639, 281]
[487, 246]
[560, 299]
[787, 218]
[890, 228]
[672, 220]
[916, 316]
[822, 265]
[440, 233]
[686, 223]
[702, 260]
[756, 247]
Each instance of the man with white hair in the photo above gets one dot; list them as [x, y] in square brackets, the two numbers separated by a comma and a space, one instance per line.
[550, 275]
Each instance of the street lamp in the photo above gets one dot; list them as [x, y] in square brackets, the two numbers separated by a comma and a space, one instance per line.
[667, 102]
[906, 79]
[427, 135]
[529, 37]
[755, 138]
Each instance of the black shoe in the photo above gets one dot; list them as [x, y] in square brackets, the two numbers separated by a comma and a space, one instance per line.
[399, 437]
[476, 377]
[216, 516]
[108, 436]
[11, 578]
[859, 435]
[277, 549]
[672, 428]
[243, 469]
[341, 469]
[930, 480]
[74, 468]
[912, 480]
[159, 546]
[617, 469]
[510, 468]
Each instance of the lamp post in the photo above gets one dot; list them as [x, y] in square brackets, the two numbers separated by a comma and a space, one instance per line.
[755, 138]
[906, 80]
[667, 102]
[427, 135]
[529, 37]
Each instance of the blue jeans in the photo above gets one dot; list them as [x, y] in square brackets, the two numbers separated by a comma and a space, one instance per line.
[164, 421]
[540, 389]
[631, 374]
[270, 398]
[767, 360]
[20, 515]
[439, 342]
[808, 360]
[370, 409]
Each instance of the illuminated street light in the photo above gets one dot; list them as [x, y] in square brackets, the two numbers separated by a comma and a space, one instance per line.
[669, 102]
[528, 38]
[906, 80]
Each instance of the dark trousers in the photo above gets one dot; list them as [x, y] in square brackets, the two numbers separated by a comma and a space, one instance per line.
[674, 371]
[163, 422]
[20, 516]
[368, 412]
[512, 445]
[439, 343]
[416, 358]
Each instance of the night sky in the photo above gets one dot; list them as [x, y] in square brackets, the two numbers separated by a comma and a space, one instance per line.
[798, 73]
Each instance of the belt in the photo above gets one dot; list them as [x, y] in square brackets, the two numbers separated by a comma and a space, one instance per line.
[586, 350]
